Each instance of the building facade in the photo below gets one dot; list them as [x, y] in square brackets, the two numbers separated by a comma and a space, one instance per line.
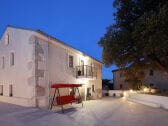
[31, 61]
[154, 79]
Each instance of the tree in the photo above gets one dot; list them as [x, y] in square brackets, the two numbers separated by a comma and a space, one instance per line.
[135, 77]
[139, 36]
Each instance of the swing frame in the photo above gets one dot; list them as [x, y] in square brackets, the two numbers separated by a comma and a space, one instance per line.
[66, 99]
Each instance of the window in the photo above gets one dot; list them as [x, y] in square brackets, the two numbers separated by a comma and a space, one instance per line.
[151, 72]
[91, 68]
[82, 67]
[3, 62]
[121, 74]
[7, 39]
[71, 61]
[1, 89]
[12, 60]
[121, 86]
[10, 90]
[151, 85]
[93, 88]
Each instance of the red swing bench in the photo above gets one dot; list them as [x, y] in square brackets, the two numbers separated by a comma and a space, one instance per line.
[62, 100]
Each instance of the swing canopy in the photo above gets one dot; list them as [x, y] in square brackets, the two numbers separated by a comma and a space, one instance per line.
[60, 85]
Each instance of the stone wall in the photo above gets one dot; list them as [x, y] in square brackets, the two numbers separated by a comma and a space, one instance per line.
[41, 54]
[158, 80]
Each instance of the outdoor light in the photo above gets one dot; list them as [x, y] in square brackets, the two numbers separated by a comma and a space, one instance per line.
[145, 89]
[84, 58]
[131, 91]
[125, 94]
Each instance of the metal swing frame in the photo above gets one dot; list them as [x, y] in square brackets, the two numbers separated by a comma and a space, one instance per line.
[62, 100]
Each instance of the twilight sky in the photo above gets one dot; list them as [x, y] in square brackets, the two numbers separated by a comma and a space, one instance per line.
[79, 23]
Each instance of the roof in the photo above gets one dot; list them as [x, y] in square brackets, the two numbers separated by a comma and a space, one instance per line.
[47, 35]
[59, 85]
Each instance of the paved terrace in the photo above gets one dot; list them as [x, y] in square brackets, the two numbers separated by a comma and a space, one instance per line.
[105, 112]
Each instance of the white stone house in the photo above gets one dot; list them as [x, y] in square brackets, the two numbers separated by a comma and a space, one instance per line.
[153, 78]
[30, 61]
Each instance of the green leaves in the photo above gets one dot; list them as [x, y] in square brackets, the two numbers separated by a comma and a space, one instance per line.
[140, 32]
[138, 39]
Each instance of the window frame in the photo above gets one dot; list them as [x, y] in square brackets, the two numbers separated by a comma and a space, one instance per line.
[7, 39]
[3, 62]
[151, 72]
[10, 90]
[70, 66]
[93, 88]
[1, 90]
[12, 58]
[121, 74]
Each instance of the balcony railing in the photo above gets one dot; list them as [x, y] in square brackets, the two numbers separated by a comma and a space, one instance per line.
[86, 71]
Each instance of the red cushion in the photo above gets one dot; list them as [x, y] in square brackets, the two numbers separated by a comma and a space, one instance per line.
[61, 100]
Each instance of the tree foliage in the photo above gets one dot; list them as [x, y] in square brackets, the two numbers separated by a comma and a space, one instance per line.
[135, 78]
[139, 36]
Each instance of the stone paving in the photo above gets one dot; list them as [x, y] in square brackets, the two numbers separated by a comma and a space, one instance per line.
[104, 112]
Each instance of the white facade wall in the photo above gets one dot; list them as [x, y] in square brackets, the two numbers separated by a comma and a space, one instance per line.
[60, 72]
[39, 62]
[56, 69]
[115, 93]
[19, 74]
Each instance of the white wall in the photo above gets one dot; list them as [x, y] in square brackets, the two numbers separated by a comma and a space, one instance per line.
[28, 89]
[60, 72]
[17, 75]
[150, 100]
[118, 93]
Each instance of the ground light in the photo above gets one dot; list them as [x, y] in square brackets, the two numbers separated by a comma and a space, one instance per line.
[131, 91]
[125, 94]
[145, 89]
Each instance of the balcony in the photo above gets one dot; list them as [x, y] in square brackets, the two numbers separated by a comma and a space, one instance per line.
[86, 71]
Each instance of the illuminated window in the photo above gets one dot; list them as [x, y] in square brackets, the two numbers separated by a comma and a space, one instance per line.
[71, 61]
[12, 60]
[10, 90]
[1, 89]
[7, 39]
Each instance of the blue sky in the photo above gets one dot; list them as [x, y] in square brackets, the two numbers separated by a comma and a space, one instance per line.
[79, 23]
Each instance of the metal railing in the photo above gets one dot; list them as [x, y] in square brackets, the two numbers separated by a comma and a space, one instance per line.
[86, 71]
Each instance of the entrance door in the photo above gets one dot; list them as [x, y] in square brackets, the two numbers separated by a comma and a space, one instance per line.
[88, 93]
